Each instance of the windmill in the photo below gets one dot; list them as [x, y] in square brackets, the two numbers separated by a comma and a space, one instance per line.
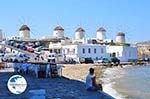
[126, 30]
[25, 31]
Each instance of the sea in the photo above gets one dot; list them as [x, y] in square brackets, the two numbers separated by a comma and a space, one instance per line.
[130, 82]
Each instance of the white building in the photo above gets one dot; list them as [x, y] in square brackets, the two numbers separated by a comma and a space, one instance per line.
[79, 33]
[79, 36]
[24, 32]
[76, 51]
[80, 47]
[100, 34]
[57, 49]
[58, 32]
[124, 53]
[1, 35]
[120, 38]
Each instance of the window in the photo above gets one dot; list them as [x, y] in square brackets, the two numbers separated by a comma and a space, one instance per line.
[94, 50]
[89, 50]
[59, 51]
[51, 50]
[129, 54]
[102, 50]
[125, 54]
[113, 54]
[67, 51]
[55, 50]
[83, 50]
[117, 53]
[74, 50]
[21, 55]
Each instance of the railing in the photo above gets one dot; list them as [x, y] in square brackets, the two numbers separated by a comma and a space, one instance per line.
[39, 69]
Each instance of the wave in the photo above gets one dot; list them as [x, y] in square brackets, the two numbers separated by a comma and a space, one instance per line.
[108, 78]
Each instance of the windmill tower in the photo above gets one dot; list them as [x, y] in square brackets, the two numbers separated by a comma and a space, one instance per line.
[100, 34]
[58, 32]
[120, 38]
[24, 32]
[79, 33]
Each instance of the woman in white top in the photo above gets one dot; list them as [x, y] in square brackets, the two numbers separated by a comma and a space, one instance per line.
[91, 82]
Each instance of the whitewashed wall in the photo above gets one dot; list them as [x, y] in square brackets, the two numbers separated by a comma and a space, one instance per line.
[58, 33]
[25, 34]
[101, 35]
[76, 51]
[124, 53]
[120, 39]
[100, 51]
[79, 35]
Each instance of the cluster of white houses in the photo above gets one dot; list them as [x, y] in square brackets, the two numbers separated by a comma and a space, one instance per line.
[97, 51]
[95, 48]
[81, 47]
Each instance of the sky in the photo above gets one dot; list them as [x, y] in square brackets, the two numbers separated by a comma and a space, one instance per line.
[42, 16]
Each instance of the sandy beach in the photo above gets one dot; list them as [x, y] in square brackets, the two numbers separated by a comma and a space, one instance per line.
[79, 71]
[70, 86]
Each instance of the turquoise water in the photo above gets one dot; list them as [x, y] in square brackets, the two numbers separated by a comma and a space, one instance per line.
[133, 82]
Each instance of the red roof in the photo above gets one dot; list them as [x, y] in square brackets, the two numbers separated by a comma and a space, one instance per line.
[24, 27]
[80, 30]
[101, 29]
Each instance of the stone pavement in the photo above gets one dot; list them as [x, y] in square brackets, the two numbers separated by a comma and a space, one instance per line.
[49, 88]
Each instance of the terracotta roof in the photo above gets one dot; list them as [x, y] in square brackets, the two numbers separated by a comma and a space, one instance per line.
[121, 34]
[24, 27]
[80, 30]
[101, 29]
[58, 28]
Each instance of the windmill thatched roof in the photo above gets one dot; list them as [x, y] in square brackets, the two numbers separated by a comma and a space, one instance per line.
[101, 29]
[120, 34]
[58, 28]
[80, 30]
[24, 27]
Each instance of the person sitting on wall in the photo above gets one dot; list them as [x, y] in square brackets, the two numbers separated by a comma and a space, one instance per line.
[91, 84]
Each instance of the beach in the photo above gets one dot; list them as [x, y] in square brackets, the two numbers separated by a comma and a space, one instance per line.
[80, 71]
[130, 82]
[70, 86]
